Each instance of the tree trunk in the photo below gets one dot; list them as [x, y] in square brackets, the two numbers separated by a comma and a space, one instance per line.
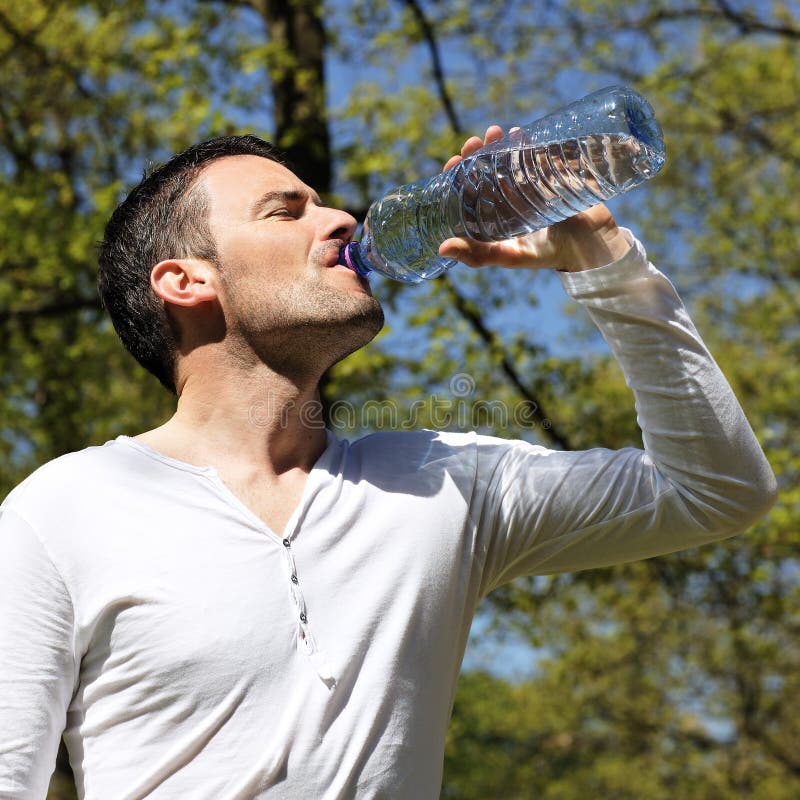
[297, 72]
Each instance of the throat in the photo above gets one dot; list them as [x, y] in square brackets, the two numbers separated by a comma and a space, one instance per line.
[271, 500]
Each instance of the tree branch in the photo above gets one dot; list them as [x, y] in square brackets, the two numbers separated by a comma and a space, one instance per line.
[756, 134]
[748, 23]
[55, 309]
[28, 42]
[460, 303]
[537, 413]
[436, 63]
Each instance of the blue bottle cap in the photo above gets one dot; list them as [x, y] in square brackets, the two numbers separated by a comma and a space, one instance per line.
[349, 257]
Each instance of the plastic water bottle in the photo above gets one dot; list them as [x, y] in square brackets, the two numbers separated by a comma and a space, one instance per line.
[584, 154]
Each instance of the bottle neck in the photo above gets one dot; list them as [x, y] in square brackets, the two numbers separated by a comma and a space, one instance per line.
[352, 257]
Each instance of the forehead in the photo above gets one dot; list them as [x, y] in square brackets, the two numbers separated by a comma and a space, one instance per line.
[234, 183]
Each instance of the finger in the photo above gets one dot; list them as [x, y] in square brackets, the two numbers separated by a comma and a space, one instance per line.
[454, 248]
[471, 145]
[471, 253]
[493, 133]
[474, 143]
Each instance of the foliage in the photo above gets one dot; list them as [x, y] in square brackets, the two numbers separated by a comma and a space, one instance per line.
[672, 678]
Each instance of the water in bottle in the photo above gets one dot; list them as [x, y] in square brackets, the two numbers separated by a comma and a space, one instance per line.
[586, 153]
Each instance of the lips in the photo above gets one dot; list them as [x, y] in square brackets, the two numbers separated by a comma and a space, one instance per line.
[332, 258]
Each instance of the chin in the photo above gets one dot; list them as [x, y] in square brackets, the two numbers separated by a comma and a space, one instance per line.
[345, 277]
[307, 319]
[352, 331]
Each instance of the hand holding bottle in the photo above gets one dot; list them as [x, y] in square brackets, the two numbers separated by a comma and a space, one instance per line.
[548, 176]
[588, 239]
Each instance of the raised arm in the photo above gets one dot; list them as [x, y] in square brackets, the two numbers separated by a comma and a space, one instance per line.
[702, 475]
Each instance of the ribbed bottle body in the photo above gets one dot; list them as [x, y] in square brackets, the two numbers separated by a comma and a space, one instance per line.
[587, 153]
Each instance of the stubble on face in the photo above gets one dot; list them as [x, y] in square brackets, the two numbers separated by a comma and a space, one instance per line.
[286, 304]
[302, 327]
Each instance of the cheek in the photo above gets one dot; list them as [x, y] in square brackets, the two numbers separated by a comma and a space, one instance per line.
[268, 252]
[248, 266]
[258, 284]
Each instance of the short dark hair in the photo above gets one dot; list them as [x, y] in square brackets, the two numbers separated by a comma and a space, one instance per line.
[164, 216]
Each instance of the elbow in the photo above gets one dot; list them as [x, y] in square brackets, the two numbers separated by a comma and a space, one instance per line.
[765, 495]
[761, 495]
[733, 505]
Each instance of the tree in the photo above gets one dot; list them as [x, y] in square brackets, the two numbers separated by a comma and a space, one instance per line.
[675, 677]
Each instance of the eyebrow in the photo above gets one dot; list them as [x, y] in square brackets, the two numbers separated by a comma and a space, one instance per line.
[284, 196]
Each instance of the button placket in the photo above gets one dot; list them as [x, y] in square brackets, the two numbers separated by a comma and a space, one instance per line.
[305, 641]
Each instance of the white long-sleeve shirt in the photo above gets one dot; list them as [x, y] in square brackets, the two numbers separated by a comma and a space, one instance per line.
[185, 650]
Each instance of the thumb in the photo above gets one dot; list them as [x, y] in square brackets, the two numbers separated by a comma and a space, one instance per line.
[467, 251]
[454, 248]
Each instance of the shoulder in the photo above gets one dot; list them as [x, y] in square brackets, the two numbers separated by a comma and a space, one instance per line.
[411, 448]
[399, 452]
[69, 481]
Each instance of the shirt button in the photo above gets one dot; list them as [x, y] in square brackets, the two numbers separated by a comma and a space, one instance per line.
[294, 579]
[303, 618]
[286, 543]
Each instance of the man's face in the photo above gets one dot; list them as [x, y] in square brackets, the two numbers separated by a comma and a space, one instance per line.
[283, 294]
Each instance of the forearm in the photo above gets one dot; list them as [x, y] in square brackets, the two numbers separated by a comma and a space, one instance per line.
[701, 477]
[693, 428]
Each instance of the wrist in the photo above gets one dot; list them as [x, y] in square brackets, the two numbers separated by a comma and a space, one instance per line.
[591, 242]
[596, 249]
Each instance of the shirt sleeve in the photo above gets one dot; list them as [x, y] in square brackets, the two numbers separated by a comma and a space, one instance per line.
[701, 476]
[37, 667]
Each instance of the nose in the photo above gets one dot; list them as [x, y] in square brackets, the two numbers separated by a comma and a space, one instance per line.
[339, 225]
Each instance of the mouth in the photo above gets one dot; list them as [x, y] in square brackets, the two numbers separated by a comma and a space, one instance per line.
[331, 258]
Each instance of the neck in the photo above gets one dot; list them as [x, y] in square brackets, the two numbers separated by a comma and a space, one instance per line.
[260, 420]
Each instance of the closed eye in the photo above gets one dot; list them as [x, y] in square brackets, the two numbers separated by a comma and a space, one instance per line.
[280, 212]
[293, 200]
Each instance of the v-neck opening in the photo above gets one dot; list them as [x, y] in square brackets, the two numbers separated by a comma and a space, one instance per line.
[211, 474]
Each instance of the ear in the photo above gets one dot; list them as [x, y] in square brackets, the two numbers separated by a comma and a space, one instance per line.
[184, 281]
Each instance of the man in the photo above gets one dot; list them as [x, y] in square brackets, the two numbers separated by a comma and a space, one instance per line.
[231, 606]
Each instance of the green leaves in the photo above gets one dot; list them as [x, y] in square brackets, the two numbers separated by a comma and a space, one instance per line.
[672, 678]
